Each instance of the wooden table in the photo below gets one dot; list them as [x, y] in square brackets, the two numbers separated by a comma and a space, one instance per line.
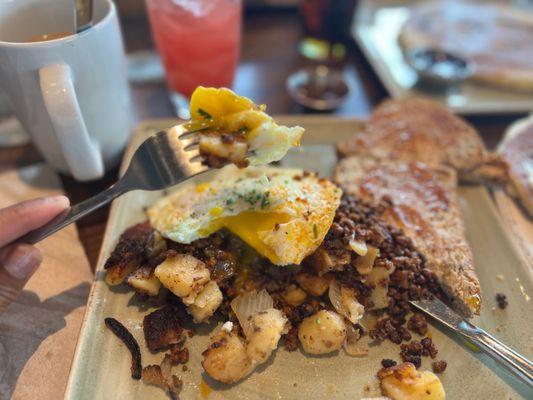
[269, 54]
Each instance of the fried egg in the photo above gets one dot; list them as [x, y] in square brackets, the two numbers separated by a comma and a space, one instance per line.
[237, 130]
[283, 214]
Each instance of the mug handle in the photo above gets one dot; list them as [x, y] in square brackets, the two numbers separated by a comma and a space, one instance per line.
[82, 155]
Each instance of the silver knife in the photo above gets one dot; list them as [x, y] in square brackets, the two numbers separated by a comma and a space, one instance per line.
[515, 363]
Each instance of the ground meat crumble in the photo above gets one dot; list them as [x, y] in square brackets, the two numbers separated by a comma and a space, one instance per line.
[501, 300]
[439, 366]
[387, 363]
[413, 351]
[237, 268]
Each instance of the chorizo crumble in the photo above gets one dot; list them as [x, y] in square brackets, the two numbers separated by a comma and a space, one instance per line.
[298, 291]
[501, 300]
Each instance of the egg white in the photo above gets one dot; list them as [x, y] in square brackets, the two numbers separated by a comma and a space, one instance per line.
[283, 218]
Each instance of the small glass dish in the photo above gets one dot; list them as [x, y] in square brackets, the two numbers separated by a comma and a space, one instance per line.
[439, 67]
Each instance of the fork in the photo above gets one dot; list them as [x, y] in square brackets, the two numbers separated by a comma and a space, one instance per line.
[165, 159]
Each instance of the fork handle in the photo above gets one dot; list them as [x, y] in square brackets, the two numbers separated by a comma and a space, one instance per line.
[72, 214]
[514, 362]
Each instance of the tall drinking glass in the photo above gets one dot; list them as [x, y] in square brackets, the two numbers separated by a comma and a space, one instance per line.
[198, 41]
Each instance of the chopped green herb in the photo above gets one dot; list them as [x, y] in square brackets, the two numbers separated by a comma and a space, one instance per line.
[315, 231]
[265, 200]
[230, 201]
[318, 321]
[204, 114]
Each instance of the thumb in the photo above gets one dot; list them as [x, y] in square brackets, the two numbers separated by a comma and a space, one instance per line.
[17, 265]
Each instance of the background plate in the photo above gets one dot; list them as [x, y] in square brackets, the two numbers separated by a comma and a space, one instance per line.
[101, 367]
[376, 29]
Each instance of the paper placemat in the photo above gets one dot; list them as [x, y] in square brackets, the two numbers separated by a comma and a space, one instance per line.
[40, 329]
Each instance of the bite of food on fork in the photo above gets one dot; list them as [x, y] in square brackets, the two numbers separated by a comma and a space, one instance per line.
[233, 129]
[225, 128]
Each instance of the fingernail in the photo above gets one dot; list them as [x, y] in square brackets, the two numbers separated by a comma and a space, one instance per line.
[22, 261]
[61, 201]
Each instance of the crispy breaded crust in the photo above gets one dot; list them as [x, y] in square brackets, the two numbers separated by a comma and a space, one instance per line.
[423, 203]
[418, 129]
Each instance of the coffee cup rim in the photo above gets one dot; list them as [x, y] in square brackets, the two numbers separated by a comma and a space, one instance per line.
[110, 12]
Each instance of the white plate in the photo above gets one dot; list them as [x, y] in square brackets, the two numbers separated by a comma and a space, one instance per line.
[101, 367]
[376, 29]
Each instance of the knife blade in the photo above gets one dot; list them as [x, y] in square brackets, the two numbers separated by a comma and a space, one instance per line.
[508, 358]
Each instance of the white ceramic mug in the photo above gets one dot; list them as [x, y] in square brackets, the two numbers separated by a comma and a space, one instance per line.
[71, 94]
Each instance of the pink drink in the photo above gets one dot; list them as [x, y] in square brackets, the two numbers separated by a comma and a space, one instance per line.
[198, 41]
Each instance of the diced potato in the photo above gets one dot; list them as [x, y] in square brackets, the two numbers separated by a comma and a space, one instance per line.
[313, 284]
[322, 332]
[226, 359]
[294, 296]
[268, 327]
[352, 345]
[213, 144]
[323, 262]
[183, 274]
[144, 281]
[404, 382]
[116, 274]
[206, 303]
[320, 261]
[379, 277]
[365, 263]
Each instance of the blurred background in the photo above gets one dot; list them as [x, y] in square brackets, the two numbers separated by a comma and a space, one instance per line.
[272, 34]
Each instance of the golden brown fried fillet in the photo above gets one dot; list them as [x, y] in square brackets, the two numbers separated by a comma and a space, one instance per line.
[421, 201]
[418, 129]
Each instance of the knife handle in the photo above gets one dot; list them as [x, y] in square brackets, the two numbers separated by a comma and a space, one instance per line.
[515, 363]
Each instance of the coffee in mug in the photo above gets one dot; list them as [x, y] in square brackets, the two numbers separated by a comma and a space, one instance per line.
[69, 91]
[43, 37]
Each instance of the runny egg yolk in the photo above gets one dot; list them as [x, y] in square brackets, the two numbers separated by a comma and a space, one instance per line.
[247, 224]
[282, 218]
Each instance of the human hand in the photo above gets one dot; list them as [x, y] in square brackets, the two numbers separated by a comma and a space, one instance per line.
[18, 262]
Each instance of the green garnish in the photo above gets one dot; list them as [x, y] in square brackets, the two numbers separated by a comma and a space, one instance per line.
[315, 231]
[204, 114]
[265, 200]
